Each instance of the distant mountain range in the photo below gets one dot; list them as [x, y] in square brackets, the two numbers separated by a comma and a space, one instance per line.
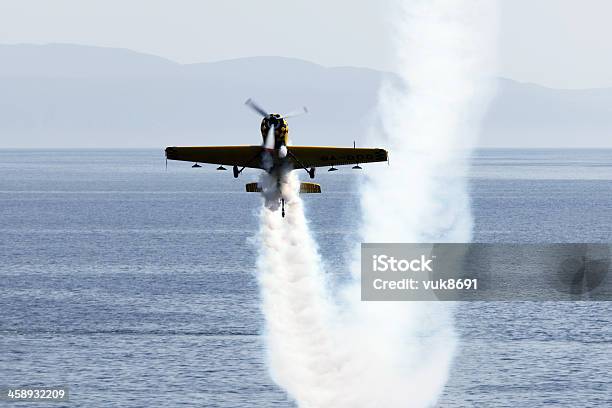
[61, 95]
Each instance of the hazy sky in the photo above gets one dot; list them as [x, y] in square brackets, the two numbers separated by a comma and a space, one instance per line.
[559, 43]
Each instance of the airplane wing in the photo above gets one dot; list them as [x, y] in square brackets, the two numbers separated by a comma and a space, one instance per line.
[242, 156]
[322, 156]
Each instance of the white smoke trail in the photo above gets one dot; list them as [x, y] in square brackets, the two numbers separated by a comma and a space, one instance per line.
[391, 354]
[295, 303]
[321, 356]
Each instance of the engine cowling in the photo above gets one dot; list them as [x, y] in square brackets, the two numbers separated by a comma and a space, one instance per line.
[281, 129]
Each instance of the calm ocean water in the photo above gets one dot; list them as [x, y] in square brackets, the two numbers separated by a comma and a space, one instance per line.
[135, 286]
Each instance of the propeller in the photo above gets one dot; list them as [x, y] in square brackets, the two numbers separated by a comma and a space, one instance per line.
[270, 139]
[263, 112]
[298, 112]
[253, 105]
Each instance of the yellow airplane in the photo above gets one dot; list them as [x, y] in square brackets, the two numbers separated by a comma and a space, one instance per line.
[275, 156]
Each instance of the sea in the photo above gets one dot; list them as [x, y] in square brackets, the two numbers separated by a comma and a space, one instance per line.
[134, 284]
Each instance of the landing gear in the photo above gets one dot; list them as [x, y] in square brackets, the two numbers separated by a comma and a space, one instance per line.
[332, 168]
[310, 172]
[236, 171]
[196, 165]
[221, 168]
[283, 207]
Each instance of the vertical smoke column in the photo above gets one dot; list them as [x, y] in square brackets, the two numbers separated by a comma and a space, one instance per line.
[428, 121]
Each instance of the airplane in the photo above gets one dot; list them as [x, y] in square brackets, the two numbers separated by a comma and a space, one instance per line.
[275, 155]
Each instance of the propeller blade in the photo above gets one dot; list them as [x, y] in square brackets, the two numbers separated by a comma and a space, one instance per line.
[269, 144]
[297, 112]
[251, 104]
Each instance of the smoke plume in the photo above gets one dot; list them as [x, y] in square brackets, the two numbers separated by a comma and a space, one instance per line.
[338, 351]
[298, 312]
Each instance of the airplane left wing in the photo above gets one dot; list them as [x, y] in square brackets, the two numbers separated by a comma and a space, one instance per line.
[322, 156]
[242, 156]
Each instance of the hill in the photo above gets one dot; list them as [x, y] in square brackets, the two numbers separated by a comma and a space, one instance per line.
[61, 95]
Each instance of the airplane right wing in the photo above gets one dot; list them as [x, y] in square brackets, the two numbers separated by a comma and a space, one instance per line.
[322, 156]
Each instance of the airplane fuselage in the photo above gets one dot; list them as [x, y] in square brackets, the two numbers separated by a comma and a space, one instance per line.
[281, 129]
